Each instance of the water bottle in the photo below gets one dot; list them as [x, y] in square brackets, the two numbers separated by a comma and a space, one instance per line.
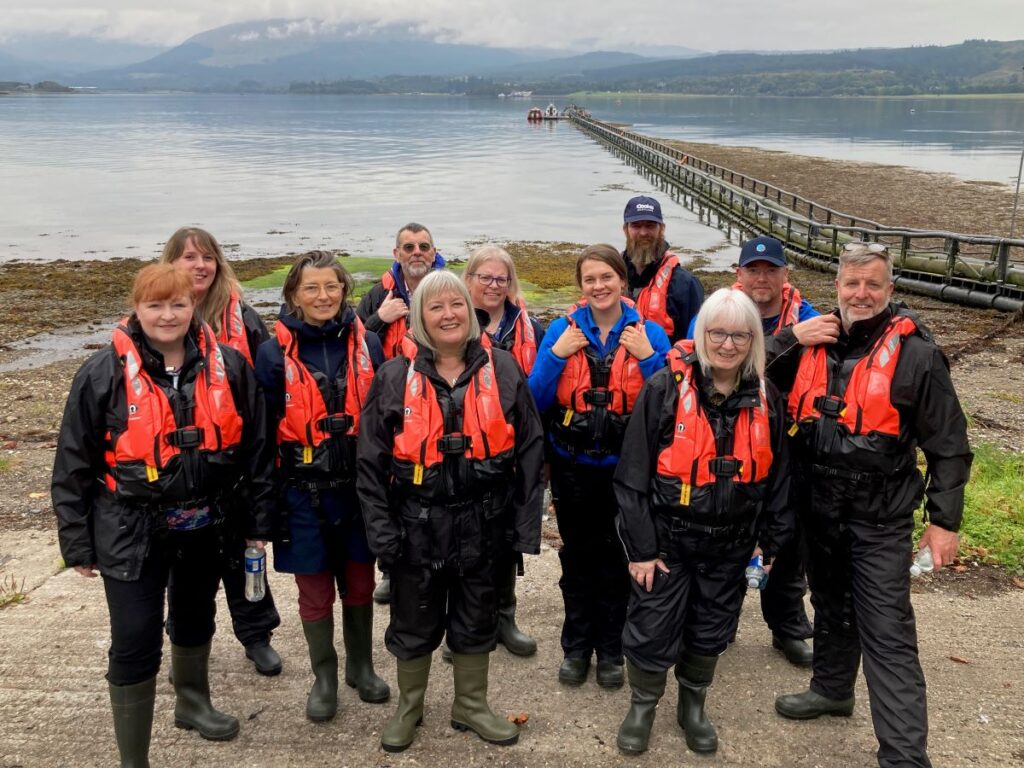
[922, 562]
[755, 575]
[255, 574]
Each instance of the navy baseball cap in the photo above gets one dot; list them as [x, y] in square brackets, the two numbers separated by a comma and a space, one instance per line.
[642, 209]
[763, 249]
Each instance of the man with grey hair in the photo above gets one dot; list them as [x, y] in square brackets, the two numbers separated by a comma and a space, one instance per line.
[385, 306]
[860, 409]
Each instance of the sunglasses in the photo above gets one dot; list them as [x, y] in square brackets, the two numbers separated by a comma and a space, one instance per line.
[423, 247]
[869, 247]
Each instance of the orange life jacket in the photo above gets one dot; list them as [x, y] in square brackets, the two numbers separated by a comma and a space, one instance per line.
[397, 339]
[423, 442]
[865, 404]
[652, 301]
[232, 328]
[578, 392]
[593, 400]
[524, 345]
[306, 422]
[152, 442]
[790, 312]
[692, 459]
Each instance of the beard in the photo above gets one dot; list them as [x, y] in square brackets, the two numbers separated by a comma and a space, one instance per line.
[644, 253]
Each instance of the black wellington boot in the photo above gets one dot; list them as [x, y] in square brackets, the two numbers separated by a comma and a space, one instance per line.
[695, 674]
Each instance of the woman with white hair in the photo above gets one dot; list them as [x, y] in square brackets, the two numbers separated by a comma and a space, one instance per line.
[450, 441]
[706, 488]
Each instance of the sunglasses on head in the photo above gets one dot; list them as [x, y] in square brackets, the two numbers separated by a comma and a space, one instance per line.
[869, 247]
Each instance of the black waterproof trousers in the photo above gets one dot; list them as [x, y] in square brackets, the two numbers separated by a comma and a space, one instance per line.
[782, 599]
[595, 579]
[190, 559]
[252, 622]
[860, 591]
[427, 603]
[695, 606]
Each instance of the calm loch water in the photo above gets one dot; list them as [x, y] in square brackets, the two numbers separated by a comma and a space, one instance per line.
[107, 175]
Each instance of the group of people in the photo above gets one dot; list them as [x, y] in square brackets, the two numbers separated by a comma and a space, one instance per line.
[680, 437]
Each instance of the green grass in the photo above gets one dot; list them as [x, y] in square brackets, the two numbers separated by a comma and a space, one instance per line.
[993, 525]
[11, 592]
[5, 464]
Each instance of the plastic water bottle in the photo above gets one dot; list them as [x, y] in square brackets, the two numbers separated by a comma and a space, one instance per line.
[255, 574]
[755, 575]
[922, 562]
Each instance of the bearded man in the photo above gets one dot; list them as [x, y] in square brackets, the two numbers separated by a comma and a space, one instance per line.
[663, 290]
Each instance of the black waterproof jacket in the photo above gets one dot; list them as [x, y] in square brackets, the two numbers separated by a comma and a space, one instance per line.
[93, 526]
[931, 418]
[385, 507]
[764, 507]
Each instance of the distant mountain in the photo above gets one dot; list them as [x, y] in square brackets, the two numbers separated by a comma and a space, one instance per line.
[40, 56]
[569, 66]
[280, 51]
[975, 65]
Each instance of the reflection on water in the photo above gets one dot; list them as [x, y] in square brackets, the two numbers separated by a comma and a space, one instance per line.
[113, 175]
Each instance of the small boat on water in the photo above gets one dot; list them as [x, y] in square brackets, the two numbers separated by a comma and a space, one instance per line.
[536, 114]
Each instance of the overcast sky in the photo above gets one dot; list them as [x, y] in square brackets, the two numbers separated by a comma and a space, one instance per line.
[578, 24]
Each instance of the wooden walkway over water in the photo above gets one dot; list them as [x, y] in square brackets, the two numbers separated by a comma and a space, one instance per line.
[976, 270]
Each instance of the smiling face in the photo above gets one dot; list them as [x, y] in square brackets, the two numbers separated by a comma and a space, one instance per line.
[601, 285]
[863, 290]
[446, 321]
[318, 295]
[727, 345]
[165, 321]
[642, 241]
[201, 265]
[484, 288]
[415, 252]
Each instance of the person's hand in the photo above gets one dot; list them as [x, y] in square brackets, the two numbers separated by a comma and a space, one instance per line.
[636, 342]
[643, 573]
[570, 342]
[258, 543]
[823, 329]
[89, 571]
[942, 543]
[392, 308]
[767, 565]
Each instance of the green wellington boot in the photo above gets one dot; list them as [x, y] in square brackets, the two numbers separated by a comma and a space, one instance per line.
[647, 690]
[470, 711]
[192, 706]
[400, 731]
[382, 592]
[511, 636]
[322, 702]
[357, 629]
[132, 706]
[695, 674]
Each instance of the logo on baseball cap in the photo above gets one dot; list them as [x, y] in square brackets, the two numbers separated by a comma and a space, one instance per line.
[642, 209]
[763, 249]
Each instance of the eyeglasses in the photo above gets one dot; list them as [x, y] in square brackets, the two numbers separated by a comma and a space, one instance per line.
[739, 338]
[869, 247]
[495, 280]
[423, 247]
[311, 291]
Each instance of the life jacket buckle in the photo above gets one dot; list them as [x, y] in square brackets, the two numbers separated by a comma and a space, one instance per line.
[727, 466]
[454, 443]
[598, 398]
[829, 406]
[335, 424]
[186, 437]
